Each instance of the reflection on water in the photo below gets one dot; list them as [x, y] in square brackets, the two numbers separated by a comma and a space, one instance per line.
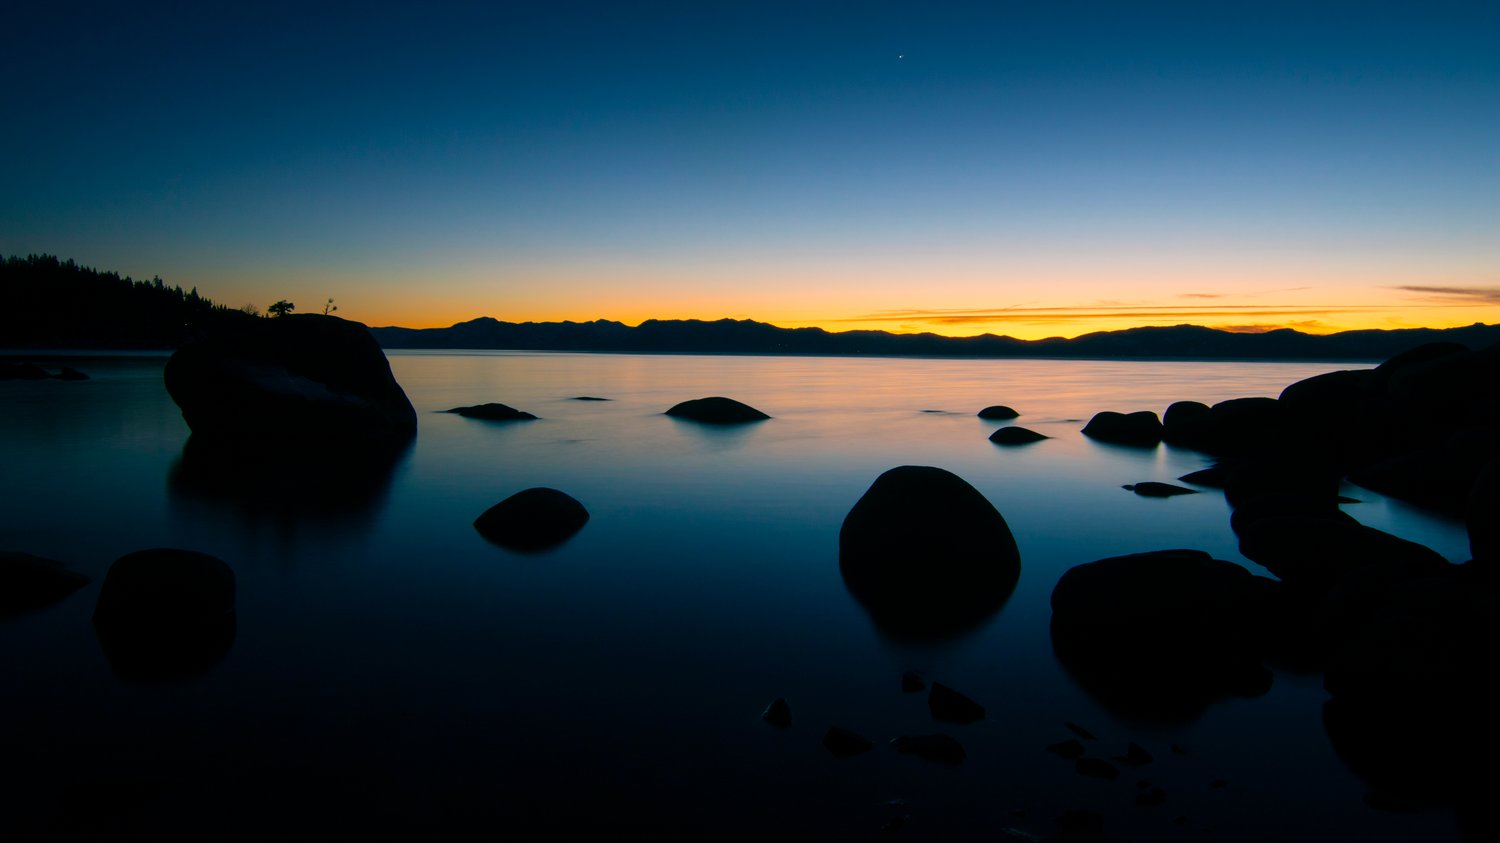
[391, 661]
[328, 486]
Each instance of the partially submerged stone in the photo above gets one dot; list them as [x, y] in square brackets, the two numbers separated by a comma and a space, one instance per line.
[844, 743]
[300, 382]
[1161, 634]
[165, 613]
[31, 582]
[926, 553]
[1153, 489]
[532, 519]
[492, 411]
[778, 713]
[1141, 429]
[952, 706]
[998, 412]
[1013, 435]
[716, 410]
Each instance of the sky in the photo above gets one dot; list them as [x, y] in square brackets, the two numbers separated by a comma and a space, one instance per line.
[1033, 169]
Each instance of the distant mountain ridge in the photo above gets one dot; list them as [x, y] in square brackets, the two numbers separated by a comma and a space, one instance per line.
[743, 336]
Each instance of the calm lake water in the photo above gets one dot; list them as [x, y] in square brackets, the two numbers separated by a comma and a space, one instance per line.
[394, 674]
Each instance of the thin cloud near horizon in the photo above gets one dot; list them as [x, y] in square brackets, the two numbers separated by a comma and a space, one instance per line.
[1474, 296]
[1092, 312]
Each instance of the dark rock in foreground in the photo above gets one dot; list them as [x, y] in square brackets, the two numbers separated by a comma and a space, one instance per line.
[778, 714]
[532, 519]
[844, 743]
[492, 412]
[1153, 489]
[1013, 435]
[165, 613]
[31, 582]
[1160, 635]
[717, 410]
[940, 748]
[926, 554]
[1142, 429]
[311, 381]
[952, 706]
[1214, 477]
[998, 412]
[1229, 427]
[1071, 749]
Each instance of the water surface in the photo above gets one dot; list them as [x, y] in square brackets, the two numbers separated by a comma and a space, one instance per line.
[395, 673]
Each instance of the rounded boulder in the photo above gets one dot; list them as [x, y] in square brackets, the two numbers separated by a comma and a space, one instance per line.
[926, 553]
[165, 613]
[532, 519]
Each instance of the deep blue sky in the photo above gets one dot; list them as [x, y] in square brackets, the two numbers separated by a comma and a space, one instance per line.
[915, 165]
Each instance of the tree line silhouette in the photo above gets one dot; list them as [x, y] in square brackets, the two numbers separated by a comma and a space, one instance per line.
[48, 303]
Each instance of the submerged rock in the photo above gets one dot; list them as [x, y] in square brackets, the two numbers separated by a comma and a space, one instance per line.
[68, 373]
[952, 706]
[778, 714]
[844, 743]
[717, 410]
[309, 382]
[165, 613]
[1071, 749]
[532, 519]
[926, 553]
[492, 412]
[998, 412]
[1013, 435]
[1142, 429]
[31, 582]
[912, 682]
[1153, 489]
[1159, 635]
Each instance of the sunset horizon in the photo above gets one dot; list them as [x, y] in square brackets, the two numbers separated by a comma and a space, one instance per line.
[1025, 170]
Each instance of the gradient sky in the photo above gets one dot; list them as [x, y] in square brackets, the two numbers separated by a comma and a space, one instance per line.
[1035, 169]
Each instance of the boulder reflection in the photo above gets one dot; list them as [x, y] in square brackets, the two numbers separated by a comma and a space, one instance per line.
[332, 487]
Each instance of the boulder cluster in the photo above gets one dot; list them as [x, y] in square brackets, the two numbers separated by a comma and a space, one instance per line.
[1405, 638]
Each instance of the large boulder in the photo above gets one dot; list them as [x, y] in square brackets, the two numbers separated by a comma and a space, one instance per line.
[165, 613]
[1438, 475]
[1228, 427]
[1160, 635]
[302, 381]
[1142, 429]
[1413, 696]
[926, 553]
[532, 519]
[31, 582]
[998, 412]
[716, 410]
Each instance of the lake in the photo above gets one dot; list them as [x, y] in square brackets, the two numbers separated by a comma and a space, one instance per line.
[394, 674]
